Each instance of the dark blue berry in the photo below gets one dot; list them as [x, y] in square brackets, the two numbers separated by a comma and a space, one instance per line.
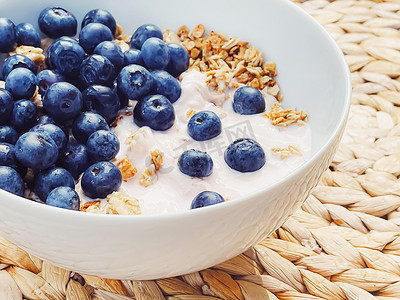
[123, 99]
[135, 82]
[133, 57]
[97, 69]
[6, 106]
[56, 22]
[63, 101]
[46, 78]
[155, 54]
[8, 39]
[102, 145]
[204, 125]
[247, 100]
[93, 34]
[18, 61]
[24, 115]
[7, 158]
[101, 179]
[245, 155]
[100, 16]
[8, 135]
[167, 85]
[154, 111]
[178, 59]
[195, 163]
[46, 119]
[11, 181]
[113, 52]
[143, 33]
[102, 100]
[206, 198]
[87, 123]
[21, 83]
[64, 197]
[75, 158]
[49, 179]
[36, 151]
[27, 35]
[54, 132]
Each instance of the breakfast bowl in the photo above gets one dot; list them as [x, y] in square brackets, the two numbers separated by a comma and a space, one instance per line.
[313, 76]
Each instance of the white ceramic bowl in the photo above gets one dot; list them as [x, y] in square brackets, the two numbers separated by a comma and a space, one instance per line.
[312, 75]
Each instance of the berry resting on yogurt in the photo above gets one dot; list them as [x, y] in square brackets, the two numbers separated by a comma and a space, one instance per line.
[206, 198]
[195, 163]
[64, 197]
[245, 155]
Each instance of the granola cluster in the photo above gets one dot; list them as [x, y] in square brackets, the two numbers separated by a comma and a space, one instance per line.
[284, 117]
[149, 175]
[118, 203]
[286, 152]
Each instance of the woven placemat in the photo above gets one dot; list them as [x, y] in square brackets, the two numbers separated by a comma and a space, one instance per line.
[344, 243]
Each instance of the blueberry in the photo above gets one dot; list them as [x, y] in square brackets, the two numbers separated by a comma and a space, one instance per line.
[96, 69]
[165, 84]
[8, 39]
[245, 155]
[87, 123]
[154, 111]
[27, 35]
[93, 34]
[206, 198]
[49, 179]
[8, 135]
[24, 115]
[204, 125]
[123, 99]
[133, 57]
[18, 61]
[102, 145]
[56, 21]
[195, 163]
[135, 82]
[247, 100]
[36, 151]
[46, 119]
[7, 158]
[178, 59]
[143, 33]
[113, 52]
[11, 181]
[101, 179]
[65, 56]
[46, 78]
[63, 101]
[6, 106]
[100, 16]
[155, 53]
[21, 83]
[54, 132]
[102, 100]
[75, 158]
[64, 197]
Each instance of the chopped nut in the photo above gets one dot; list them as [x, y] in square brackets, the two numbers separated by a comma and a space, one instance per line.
[91, 206]
[171, 37]
[194, 53]
[156, 159]
[286, 152]
[183, 32]
[281, 117]
[190, 113]
[119, 203]
[197, 32]
[126, 168]
[149, 176]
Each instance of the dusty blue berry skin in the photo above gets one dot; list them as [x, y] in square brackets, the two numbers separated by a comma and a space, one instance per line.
[21, 83]
[8, 135]
[63, 101]
[155, 53]
[100, 16]
[64, 197]
[245, 155]
[46, 119]
[143, 33]
[27, 35]
[56, 22]
[102, 100]
[133, 57]
[46, 78]
[123, 99]
[11, 181]
[247, 100]
[113, 52]
[101, 179]
[178, 59]
[96, 69]
[154, 111]
[49, 179]
[75, 158]
[102, 145]
[54, 132]
[24, 115]
[8, 39]
[87, 123]
[206, 198]
[204, 125]
[93, 34]
[6, 106]
[36, 151]
[167, 85]
[65, 56]
[7, 158]
[18, 61]
[135, 82]
[195, 163]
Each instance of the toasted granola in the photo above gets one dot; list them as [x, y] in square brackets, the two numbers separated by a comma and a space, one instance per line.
[284, 117]
[119, 203]
[156, 159]
[35, 54]
[149, 176]
[286, 152]
[126, 168]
